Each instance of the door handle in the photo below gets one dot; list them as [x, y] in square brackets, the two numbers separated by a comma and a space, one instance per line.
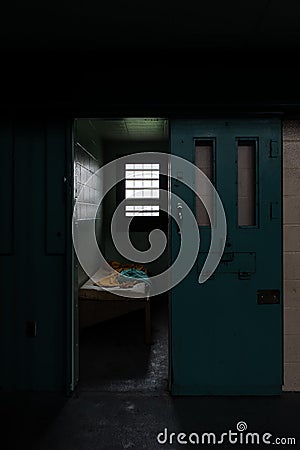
[179, 209]
[180, 217]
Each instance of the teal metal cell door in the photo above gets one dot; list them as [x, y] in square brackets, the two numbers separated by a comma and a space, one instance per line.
[226, 333]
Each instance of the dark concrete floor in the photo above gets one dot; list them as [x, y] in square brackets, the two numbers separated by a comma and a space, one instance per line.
[115, 358]
[116, 421]
[122, 401]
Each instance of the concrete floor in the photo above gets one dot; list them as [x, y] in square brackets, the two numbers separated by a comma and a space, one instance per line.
[114, 357]
[122, 400]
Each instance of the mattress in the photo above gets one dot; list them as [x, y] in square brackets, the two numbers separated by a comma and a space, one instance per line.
[90, 292]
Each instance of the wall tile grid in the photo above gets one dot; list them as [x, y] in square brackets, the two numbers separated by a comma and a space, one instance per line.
[88, 158]
[291, 248]
[86, 166]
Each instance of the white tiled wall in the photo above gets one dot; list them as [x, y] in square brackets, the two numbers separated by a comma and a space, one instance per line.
[85, 166]
[291, 240]
[88, 155]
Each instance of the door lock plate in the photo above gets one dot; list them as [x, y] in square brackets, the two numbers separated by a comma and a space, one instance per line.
[268, 297]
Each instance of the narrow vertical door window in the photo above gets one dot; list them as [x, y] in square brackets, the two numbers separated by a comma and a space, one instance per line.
[204, 156]
[247, 214]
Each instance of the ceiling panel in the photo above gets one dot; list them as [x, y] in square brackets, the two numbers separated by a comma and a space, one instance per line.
[132, 129]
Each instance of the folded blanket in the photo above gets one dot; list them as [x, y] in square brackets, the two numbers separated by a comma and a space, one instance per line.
[134, 275]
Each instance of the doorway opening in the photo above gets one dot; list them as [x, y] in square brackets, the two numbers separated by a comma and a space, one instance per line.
[120, 343]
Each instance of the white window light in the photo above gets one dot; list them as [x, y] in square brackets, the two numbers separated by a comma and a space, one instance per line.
[142, 182]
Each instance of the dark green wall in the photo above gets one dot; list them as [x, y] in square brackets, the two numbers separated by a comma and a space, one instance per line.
[33, 252]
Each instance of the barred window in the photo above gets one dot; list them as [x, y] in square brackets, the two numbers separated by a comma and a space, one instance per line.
[142, 189]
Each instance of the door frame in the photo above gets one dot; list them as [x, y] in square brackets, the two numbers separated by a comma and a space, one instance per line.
[72, 354]
[72, 310]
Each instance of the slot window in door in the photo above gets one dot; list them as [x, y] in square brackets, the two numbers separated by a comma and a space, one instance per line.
[204, 160]
[247, 182]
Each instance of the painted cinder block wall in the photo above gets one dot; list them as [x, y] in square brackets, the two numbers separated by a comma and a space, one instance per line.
[291, 255]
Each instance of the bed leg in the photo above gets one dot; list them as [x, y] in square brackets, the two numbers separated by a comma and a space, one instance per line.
[148, 323]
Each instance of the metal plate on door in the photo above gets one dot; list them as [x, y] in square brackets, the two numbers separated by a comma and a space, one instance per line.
[268, 297]
[233, 262]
